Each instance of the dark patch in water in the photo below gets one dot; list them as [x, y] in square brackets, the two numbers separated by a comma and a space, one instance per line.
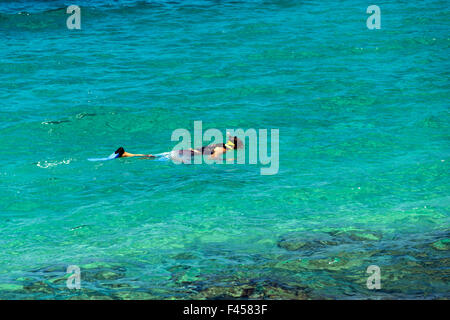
[84, 115]
[254, 289]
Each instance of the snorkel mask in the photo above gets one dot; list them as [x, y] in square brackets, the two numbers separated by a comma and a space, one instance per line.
[229, 145]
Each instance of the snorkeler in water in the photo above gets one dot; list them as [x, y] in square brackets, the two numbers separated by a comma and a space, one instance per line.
[213, 151]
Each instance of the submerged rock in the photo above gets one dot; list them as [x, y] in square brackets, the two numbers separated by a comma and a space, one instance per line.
[224, 292]
[311, 241]
[38, 287]
[183, 274]
[253, 289]
[280, 293]
[305, 241]
[59, 280]
[336, 262]
[357, 235]
[134, 295]
[98, 272]
[107, 275]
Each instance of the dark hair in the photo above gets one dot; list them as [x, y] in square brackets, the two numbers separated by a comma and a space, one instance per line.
[238, 144]
[120, 151]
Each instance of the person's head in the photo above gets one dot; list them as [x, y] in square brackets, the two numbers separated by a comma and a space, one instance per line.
[234, 143]
[120, 151]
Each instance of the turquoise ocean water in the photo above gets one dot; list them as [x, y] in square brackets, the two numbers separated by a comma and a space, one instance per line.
[363, 179]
